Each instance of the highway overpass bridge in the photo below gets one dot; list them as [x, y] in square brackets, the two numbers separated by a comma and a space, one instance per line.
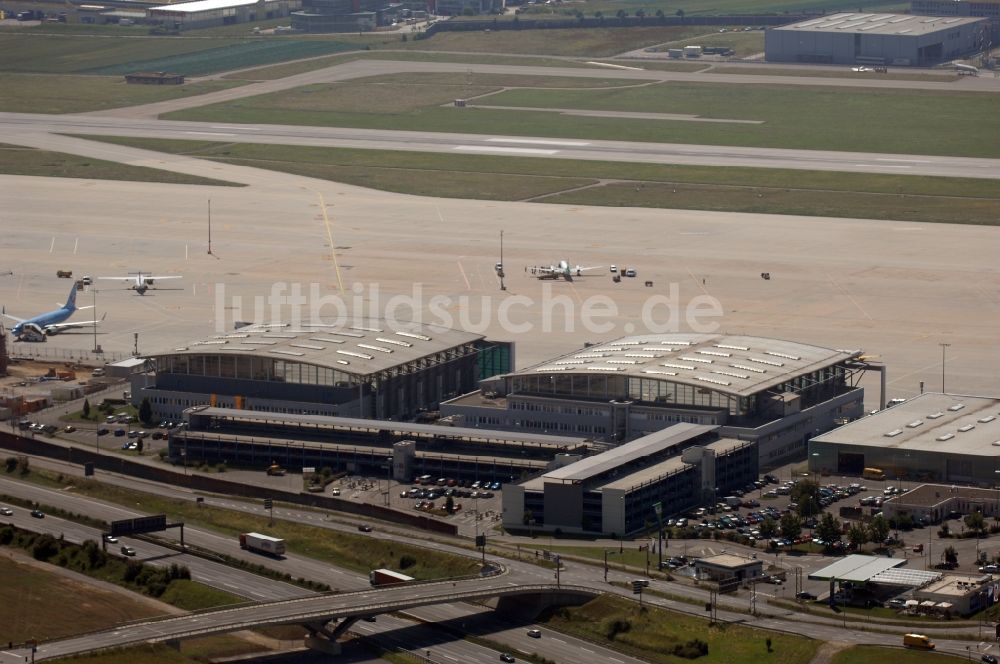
[316, 614]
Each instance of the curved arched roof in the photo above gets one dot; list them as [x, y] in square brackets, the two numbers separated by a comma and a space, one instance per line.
[731, 364]
[360, 349]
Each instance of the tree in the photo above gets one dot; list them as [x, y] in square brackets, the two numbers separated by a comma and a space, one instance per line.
[806, 495]
[791, 525]
[86, 409]
[680, 13]
[828, 529]
[975, 523]
[857, 535]
[878, 529]
[146, 411]
[449, 504]
[599, 15]
[640, 14]
[951, 556]
[621, 14]
[768, 528]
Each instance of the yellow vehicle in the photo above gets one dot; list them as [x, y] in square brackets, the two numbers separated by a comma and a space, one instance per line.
[917, 642]
[873, 474]
[275, 469]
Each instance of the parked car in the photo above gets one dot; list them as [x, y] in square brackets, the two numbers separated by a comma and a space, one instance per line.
[119, 433]
[805, 595]
[103, 431]
[69, 428]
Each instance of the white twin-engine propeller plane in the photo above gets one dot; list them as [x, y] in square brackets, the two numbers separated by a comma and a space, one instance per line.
[561, 271]
[140, 282]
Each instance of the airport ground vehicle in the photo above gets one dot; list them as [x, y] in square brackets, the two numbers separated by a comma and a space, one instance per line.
[873, 474]
[262, 544]
[917, 642]
[64, 274]
[387, 577]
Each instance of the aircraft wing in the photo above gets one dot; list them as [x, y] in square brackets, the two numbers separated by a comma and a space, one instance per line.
[585, 269]
[13, 318]
[117, 278]
[79, 323]
[151, 277]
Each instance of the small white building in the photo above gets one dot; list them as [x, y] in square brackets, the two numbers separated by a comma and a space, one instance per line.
[728, 567]
[955, 594]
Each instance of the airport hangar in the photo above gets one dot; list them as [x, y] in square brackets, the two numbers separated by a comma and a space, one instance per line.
[933, 437]
[206, 13]
[368, 371]
[777, 394]
[619, 491]
[877, 39]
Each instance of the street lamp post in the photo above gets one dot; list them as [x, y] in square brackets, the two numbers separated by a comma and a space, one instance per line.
[388, 480]
[944, 347]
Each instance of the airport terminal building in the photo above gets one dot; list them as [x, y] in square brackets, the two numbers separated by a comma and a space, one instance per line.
[368, 371]
[614, 492]
[777, 394]
[877, 39]
[932, 438]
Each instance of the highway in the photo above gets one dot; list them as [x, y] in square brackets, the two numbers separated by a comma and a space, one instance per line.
[35, 130]
[520, 577]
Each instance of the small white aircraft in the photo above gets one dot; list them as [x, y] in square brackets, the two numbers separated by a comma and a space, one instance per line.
[562, 270]
[141, 282]
[36, 329]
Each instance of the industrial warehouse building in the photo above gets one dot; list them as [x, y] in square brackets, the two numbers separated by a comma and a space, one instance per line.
[379, 448]
[877, 39]
[777, 394]
[206, 13]
[986, 9]
[368, 371]
[933, 437]
[618, 491]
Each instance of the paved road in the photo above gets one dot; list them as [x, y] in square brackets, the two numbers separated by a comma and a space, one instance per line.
[37, 131]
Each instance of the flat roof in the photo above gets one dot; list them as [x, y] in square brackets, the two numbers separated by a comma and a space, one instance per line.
[878, 24]
[931, 422]
[406, 428]
[928, 495]
[359, 349]
[904, 576]
[732, 364]
[648, 445]
[728, 560]
[202, 6]
[857, 568]
[956, 585]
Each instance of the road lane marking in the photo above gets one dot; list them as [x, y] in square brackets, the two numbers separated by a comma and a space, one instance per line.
[881, 166]
[236, 128]
[76, 245]
[608, 64]
[329, 237]
[907, 161]
[208, 133]
[53, 245]
[487, 148]
[538, 141]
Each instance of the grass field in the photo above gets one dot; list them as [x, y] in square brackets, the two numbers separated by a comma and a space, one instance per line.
[42, 163]
[948, 200]
[803, 117]
[28, 612]
[31, 93]
[588, 42]
[98, 54]
[652, 634]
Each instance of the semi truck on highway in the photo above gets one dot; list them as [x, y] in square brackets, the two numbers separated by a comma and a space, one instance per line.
[262, 544]
[387, 577]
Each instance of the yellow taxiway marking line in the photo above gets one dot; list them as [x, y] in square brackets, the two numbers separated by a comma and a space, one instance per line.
[329, 237]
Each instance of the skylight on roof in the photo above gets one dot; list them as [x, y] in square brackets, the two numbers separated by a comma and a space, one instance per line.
[413, 335]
